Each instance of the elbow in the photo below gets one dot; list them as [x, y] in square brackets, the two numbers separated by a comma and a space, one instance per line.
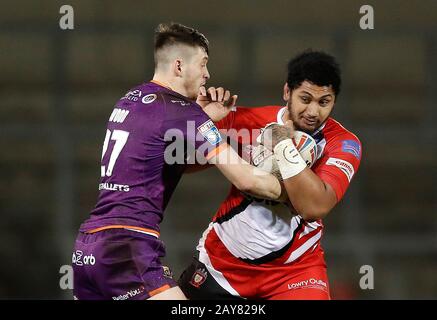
[244, 184]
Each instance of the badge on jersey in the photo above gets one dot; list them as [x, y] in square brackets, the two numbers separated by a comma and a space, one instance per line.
[198, 277]
[210, 132]
[149, 98]
[351, 146]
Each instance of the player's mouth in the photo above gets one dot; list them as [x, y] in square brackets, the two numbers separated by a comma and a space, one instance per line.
[310, 122]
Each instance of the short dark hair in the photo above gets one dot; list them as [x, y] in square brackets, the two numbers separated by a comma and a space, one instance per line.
[172, 33]
[316, 67]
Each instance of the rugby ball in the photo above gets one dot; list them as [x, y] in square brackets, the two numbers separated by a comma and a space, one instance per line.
[264, 159]
[307, 147]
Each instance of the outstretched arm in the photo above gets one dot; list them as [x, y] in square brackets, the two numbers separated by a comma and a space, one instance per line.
[245, 177]
[217, 103]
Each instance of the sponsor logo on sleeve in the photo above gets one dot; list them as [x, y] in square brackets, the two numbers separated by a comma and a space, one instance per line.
[351, 146]
[133, 95]
[210, 132]
[343, 165]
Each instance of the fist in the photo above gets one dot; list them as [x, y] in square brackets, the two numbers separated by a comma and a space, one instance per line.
[274, 133]
[216, 102]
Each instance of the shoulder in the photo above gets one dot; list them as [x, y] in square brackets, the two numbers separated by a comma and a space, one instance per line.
[181, 111]
[340, 138]
[262, 111]
[334, 130]
[177, 104]
[257, 116]
[150, 94]
[143, 94]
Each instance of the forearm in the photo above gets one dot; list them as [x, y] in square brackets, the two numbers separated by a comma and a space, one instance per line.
[252, 180]
[247, 178]
[263, 185]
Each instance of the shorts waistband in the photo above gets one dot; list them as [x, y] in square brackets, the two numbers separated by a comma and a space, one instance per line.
[150, 232]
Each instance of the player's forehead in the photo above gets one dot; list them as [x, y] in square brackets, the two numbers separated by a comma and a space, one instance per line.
[315, 90]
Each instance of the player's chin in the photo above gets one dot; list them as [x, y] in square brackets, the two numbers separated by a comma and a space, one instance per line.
[194, 93]
[305, 127]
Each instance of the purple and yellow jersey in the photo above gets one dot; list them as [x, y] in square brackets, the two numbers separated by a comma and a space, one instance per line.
[151, 135]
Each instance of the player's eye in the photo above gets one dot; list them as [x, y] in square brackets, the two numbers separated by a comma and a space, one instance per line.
[305, 99]
[324, 102]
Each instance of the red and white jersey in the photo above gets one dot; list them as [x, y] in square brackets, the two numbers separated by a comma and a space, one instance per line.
[266, 232]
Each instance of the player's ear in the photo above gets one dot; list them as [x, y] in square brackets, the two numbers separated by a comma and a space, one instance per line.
[287, 93]
[177, 67]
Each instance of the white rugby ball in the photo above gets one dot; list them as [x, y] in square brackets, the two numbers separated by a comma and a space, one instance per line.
[264, 159]
[307, 147]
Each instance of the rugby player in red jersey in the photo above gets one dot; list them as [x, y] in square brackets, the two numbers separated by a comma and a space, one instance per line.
[258, 249]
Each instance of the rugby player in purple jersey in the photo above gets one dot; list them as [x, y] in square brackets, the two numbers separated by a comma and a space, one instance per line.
[117, 251]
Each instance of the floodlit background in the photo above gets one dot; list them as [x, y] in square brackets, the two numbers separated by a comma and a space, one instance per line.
[57, 90]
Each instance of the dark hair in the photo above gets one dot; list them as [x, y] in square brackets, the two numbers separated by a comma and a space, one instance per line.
[169, 34]
[316, 67]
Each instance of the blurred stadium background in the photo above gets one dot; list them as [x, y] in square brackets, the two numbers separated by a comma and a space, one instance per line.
[57, 89]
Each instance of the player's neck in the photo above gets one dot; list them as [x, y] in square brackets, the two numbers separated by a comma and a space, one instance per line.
[162, 80]
[169, 83]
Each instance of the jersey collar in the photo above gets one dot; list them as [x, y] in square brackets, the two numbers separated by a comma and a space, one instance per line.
[280, 114]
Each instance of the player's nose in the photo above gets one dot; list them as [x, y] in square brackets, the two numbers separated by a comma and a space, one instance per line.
[312, 109]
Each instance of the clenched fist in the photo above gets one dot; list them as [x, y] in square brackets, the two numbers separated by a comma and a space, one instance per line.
[216, 102]
[274, 133]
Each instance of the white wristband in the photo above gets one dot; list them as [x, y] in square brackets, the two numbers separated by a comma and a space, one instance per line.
[289, 160]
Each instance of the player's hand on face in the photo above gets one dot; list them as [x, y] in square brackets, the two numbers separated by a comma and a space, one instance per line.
[274, 133]
[216, 102]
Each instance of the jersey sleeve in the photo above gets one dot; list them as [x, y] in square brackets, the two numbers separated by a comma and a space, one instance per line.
[245, 123]
[339, 163]
[208, 140]
[227, 122]
[249, 117]
[189, 132]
